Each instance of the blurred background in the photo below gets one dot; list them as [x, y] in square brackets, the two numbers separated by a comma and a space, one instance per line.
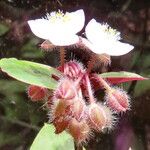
[21, 119]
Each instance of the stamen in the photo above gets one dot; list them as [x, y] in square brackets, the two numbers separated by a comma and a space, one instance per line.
[110, 31]
[57, 16]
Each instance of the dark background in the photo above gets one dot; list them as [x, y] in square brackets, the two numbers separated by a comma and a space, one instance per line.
[21, 119]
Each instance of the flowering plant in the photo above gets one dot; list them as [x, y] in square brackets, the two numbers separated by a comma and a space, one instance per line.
[68, 91]
[59, 28]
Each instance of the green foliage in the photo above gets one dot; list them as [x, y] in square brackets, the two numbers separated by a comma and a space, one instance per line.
[142, 87]
[121, 74]
[29, 72]
[143, 65]
[3, 29]
[30, 50]
[48, 140]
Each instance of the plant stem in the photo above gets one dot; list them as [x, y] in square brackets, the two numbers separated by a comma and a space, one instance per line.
[62, 56]
[103, 83]
[91, 63]
[89, 89]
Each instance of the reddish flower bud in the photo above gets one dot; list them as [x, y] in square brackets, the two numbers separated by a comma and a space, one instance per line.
[60, 125]
[66, 89]
[97, 117]
[118, 100]
[60, 114]
[110, 118]
[72, 69]
[78, 109]
[36, 93]
[80, 131]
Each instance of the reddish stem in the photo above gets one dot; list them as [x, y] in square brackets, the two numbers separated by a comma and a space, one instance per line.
[89, 89]
[103, 83]
[62, 56]
[91, 63]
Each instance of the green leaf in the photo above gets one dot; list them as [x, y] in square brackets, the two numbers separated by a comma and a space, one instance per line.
[30, 72]
[48, 140]
[122, 76]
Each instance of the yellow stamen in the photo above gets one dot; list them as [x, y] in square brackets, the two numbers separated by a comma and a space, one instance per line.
[58, 16]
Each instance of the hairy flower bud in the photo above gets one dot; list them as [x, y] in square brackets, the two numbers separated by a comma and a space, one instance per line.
[60, 114]
[36, 93]
[97, 117]
[110, 118]
[60, 124]
[61, 107]
[78, 109]
[80, 131]
[66, 89]
[72, 69]
[118, 100]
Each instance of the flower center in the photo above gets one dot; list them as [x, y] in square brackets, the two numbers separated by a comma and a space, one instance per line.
[58, 16]
[110, 31]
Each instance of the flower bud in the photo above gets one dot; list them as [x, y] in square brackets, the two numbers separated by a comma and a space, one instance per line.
[78, 109]
[65, 90]
[110, 118]
[80, 131]
[60, 124]
[36, 93]
[61, 107]
[72, 69]
[118, 100]
[97, 117]
[60, 114]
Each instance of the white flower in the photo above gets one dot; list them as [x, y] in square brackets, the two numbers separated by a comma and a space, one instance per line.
[104, 39]
[59, 28]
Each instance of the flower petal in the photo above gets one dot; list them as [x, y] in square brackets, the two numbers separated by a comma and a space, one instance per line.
[70, 23]
[93, 32]
[102, 42]
[77, 20]
[40, 27]
[64, 40]
[92, 47]
[118, 48]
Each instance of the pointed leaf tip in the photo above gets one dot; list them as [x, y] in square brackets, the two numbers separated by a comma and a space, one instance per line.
[120, 77]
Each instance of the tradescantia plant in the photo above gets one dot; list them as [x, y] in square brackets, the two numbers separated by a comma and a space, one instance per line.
[68, 91]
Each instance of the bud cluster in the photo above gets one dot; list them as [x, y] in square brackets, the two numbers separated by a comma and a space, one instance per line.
[73, 106]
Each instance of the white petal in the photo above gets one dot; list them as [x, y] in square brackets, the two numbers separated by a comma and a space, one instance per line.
[92, 47]
[77, 20]
[86, 43]
[100, 42]
[72, 22]
[40, 27]
[59, 32]
[93, 32]
[113, 49]
[64, 40]
[118, 48]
